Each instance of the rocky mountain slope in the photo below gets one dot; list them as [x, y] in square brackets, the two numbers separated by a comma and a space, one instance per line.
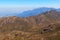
[45, 26]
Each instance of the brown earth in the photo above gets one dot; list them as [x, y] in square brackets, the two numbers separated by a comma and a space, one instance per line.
[45, 26]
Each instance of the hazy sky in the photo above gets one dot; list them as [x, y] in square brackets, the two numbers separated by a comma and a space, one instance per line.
[15, 6]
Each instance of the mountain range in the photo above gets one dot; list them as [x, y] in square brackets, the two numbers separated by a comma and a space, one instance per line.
[36, 11]
[28, 13]
[45, 26]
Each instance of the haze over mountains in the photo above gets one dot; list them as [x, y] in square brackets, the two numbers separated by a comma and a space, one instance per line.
[28, 12]
[35, 12]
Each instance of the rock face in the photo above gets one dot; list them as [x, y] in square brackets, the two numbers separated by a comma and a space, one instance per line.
[45, 26]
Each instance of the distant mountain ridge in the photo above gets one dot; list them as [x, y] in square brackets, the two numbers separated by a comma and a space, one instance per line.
[33, 12]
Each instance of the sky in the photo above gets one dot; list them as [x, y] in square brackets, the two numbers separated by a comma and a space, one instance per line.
[16, 6]
[29, 3]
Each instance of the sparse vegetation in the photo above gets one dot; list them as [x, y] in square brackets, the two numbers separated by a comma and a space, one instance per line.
[40, 27]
